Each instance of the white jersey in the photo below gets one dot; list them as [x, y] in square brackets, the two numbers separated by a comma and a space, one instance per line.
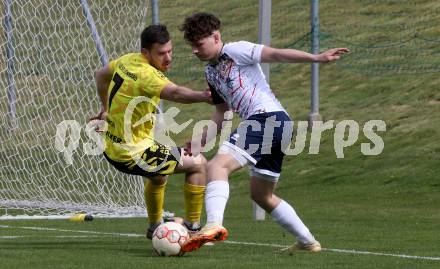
[238, 80]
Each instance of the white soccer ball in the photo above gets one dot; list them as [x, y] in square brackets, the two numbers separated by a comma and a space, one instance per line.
[168, 239]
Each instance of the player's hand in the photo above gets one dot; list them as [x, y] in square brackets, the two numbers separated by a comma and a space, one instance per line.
[100, 118]
[331, 55]
[206, 95]
[187, 149]
[192, 149]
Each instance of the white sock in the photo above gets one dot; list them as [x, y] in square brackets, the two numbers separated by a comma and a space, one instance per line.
[216, 196]
[286, 216]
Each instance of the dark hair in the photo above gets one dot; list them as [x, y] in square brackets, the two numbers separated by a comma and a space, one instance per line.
[154, 34]
[199, 25]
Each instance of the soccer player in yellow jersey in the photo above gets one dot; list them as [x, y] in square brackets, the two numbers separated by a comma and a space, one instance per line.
[130, 88]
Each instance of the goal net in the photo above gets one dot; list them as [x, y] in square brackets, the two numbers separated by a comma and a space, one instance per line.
[47, 60]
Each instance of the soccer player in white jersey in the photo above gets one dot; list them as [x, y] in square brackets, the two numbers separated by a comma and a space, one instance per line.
[237, 83]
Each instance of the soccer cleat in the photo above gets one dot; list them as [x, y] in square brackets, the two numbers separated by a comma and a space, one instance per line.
[151, 229]
[209, 233]
[314, 246]
[192, 227]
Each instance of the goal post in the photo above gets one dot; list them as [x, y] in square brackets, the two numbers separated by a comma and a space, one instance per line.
[264, 18]
[7, 23]
[91, 23]
[54, 56]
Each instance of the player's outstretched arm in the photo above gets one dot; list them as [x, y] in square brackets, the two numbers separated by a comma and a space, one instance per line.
[274, 55]
[103, 77]
[180, 94]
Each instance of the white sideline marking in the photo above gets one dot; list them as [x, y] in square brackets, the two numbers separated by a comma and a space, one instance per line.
[11, 237]
[404, 256]
[344, 251]
[254, 244]
[71, 231]
[382, 254]
[50, 236]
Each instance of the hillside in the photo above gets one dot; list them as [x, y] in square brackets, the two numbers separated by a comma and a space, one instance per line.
[391, 74]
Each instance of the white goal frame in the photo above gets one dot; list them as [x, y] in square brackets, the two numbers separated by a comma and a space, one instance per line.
[49, 51]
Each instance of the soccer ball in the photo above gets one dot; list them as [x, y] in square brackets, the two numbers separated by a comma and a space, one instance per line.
[168, 239]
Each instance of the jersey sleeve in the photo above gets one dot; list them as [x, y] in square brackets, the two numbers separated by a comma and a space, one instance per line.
[112, 65]
[244, 52]
[155, 82]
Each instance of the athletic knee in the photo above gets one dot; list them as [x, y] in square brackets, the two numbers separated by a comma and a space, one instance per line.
[199, 164]
[220, 163]
[258, 198]
[211, 165]
[158, 180]
[267, 200]
[216, 165]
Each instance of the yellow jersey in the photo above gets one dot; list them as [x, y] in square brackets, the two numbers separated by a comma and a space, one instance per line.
[133, 98]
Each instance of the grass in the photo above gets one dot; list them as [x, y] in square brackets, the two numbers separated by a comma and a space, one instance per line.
[363, 219]
[386, 203]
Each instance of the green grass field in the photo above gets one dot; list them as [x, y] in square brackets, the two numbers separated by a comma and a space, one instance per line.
[367, 211]
[359, 216]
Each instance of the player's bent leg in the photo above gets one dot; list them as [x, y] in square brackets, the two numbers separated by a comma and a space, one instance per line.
[223, 164]
[194, 189]
[217, 189]
[155, 163]
[192, 164]
[154, 191]
[217, 194]
[262, 193]
[262, 188]
[193, 197]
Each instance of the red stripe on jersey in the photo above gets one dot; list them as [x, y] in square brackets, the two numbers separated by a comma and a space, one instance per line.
[251, 99]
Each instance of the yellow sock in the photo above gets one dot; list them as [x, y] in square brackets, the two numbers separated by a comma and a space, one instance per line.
[193, 201]
[154, 197]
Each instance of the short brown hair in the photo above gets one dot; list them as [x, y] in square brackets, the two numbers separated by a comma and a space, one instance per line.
[154, 34]
[199, 25]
